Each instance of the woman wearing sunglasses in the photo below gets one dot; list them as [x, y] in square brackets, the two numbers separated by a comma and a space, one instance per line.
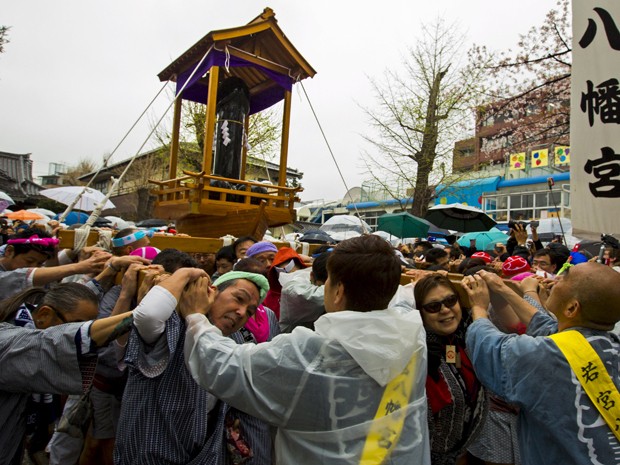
[457, 402]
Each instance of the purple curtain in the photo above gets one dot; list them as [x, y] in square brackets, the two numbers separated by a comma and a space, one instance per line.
[197, 91]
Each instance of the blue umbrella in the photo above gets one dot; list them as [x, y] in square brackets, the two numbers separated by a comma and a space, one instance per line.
[74, 218]
[483, 238]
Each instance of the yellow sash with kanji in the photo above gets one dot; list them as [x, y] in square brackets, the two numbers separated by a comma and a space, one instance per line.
[384, 436]
[592, 375]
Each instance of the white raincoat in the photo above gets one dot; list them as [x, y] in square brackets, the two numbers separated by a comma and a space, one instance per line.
[321, 389]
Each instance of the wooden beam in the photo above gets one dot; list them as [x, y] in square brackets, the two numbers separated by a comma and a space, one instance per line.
[174, 143]
[207, 157]
[456, 278]
[286, 120]
[184, 243]
[259, 61]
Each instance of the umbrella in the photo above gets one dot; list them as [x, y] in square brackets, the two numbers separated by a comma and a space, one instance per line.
[344, 223]
[459, 217]
[393, 240]
[403, 224]
[483, 239]
[24, 215]
[316, 236]
[7, 197]
[67, 194]
[102, 221]
[74, 218]
[118, 222]
[42, 211]
[151, 223]
[344, 235]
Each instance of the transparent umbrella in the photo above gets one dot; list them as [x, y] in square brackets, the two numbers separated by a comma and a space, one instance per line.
[67, 194]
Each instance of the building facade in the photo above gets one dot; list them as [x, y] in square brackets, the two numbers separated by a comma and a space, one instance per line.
[16, 179]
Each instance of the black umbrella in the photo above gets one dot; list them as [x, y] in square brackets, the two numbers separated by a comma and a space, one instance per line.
[316, 236]
[101, 221]
[459, 217]
[151, 223]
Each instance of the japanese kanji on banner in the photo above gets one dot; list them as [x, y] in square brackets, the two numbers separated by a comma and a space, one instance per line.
[517, 161]
[540, 158]
[594, 119]
[562, 155]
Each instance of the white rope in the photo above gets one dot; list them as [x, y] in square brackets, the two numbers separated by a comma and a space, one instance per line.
[227, 60]
[305, 248]
[107, 159]
[331, 153]
[80, 238]
[228, 239]
[95, 214]
[105, 239]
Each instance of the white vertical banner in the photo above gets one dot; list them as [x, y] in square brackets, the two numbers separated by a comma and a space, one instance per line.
[595, 118]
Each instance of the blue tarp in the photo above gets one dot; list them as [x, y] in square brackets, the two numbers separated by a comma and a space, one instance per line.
[468, 192]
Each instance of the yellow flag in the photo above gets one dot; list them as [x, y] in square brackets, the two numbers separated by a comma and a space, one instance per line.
[517, 161]
[562, 155]
[540, 158]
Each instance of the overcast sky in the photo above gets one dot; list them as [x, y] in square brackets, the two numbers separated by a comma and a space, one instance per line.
[76, 74]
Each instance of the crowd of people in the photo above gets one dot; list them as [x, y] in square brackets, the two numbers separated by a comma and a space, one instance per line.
[360, 353]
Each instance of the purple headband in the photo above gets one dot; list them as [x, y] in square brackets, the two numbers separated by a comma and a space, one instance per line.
[35, 240]
[260, 247]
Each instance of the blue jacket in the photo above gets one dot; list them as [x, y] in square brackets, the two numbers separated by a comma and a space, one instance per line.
[558, 423]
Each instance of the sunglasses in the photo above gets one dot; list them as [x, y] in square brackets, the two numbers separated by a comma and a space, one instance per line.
[435, 307]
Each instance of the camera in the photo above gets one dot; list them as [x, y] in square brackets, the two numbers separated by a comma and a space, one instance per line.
[512, 224]
[534, 224]
[610, 241]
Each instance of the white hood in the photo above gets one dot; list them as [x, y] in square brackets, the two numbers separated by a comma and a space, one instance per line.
[382, 342]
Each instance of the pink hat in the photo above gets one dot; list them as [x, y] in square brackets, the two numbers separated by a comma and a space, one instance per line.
[484, 256]
[515, 265]
[146, 252]
[522, 276]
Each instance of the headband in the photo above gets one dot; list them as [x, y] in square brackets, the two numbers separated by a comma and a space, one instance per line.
[260, 247]
[134, 237]
[258, 279]
[35, 240]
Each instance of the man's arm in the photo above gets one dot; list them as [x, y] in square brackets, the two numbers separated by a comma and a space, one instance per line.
[496, 285]
[154, 310]
[45, 275]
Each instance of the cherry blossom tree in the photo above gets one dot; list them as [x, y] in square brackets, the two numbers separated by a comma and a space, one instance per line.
[529, 87]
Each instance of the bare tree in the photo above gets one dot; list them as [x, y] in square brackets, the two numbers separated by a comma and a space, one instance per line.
[421, 113]
[529, 87]
[73, 173]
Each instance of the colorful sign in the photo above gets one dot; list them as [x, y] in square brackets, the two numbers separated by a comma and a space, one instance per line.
[562, 155]
[540, 158]
[517, 161]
